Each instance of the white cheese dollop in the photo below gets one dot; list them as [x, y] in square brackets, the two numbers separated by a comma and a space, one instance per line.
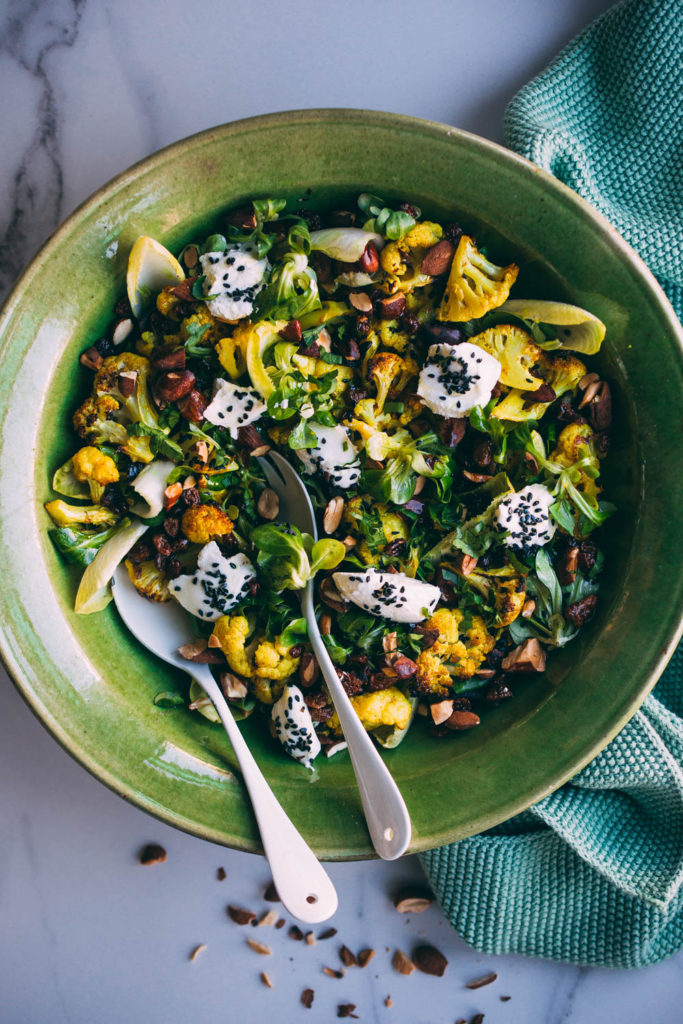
[233, 406]
[455, 378]
[390, 595]
[526, 516]
[294, 726]
[335, 455]
[217, 585]
[234, 277]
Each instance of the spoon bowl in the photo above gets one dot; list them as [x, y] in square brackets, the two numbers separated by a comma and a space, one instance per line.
[301, 882]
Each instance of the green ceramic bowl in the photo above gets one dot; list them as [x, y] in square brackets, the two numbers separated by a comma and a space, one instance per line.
[92, 685]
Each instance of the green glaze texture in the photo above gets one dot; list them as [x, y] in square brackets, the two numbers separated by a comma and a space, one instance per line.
[92, 685]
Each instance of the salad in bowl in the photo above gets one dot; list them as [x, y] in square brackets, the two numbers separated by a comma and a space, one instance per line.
[450, 434]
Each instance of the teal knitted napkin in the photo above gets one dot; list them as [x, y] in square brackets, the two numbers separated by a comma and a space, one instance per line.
[593, 874]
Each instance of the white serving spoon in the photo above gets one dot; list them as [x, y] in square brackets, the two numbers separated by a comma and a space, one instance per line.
[302, 883]
[385, 811]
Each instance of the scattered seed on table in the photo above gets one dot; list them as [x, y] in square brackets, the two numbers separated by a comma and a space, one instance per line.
[197, 951]
[268, 919]
[331, 973]
[259, 947]
[221, 875]
[295, 933]
[346, 1010]
[365, 956]
[310, 939]
[266, 980]
[329, 933]
[270, 895]
[348, 958]
[485, 979]
[402, 963]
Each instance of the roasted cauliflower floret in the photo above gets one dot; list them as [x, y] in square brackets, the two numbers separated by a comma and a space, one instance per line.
[475, 284]
[95, 419]
[573, 443]
[453, 655]
[267, 664]
[232, 632]
[205, 523]
[137, 405]
[400, 260]
[64, 514]
[90, 463]
[516, 352]
[167, 302]
[148, 580]
[273, 660]
[561, 372]
[202, 318]
[390, 372]
[391, 336]
[388, 707]
[394, 527]
[509, 597]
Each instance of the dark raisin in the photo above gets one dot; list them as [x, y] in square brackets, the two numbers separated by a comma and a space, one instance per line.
[105, 346]
[588, 553]
[409, 323]
[482, 453]
[113, 498]
[160, 561]
[203, 372]
[312, 219]
[171, 526]
[128, 469]
[351, 683]
[498, 691]
[452, 232]
[190, 497]
[362, 325]
[140, 552]
[411, 210]
[581, 611]
[566, 413]
[253, 587]
[173, 568]
[318, 706]
[462, 704]
[122, 307]
[162, 544]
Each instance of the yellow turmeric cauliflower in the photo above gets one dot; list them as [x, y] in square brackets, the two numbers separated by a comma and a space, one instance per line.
[385, 707]
[475, 285]
[516, 352]
[89, 463]
[148, 580]
[568, 451]
[452, 655]
[205, 523]
[202, 318]
[167, 302]
[267, 664]
[401, 260]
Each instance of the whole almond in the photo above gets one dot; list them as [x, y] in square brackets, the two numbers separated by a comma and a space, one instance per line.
[122, 329]
[333, 514]
[441, 711]
[438, 259]
[309, 670]
[192, 406]
[369, 261]
[460, 720]
[430, 960]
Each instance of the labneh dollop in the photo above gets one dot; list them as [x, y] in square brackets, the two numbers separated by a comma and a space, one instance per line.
[234, 278]
[294, 726]
[455, 378]
[335, 455]
[233, 406]
[525, 515]
[390, 595]
[216, 586]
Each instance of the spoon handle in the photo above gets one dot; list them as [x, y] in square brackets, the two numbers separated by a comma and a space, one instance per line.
[302, 883]
[385, 811]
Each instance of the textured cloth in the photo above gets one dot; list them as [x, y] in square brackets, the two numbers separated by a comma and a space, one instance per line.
[593, 874]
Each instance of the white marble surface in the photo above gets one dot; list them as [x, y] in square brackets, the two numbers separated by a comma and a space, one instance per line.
[88, 936]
